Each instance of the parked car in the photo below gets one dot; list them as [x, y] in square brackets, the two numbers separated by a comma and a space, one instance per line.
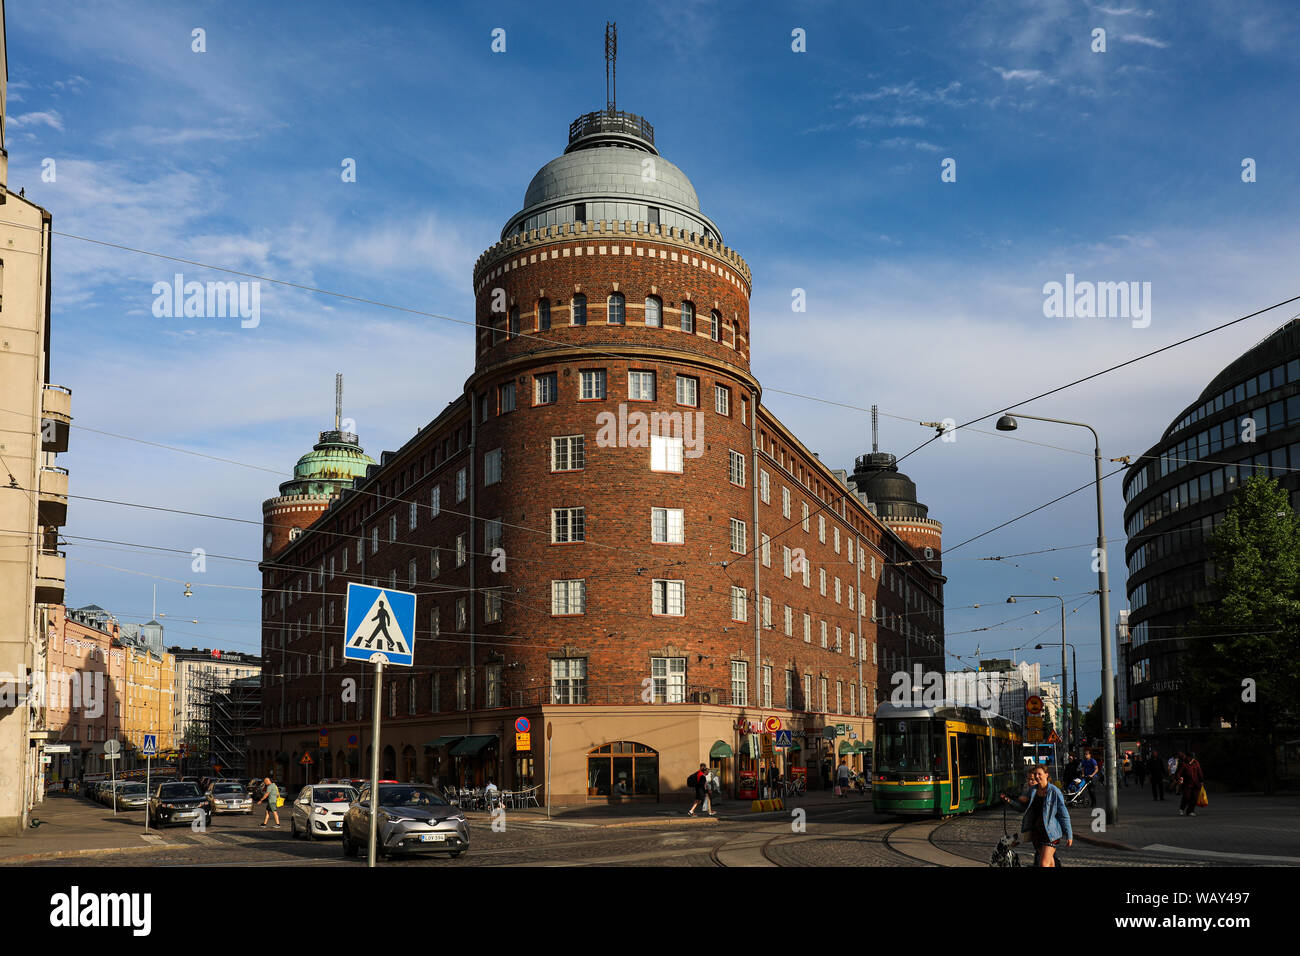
[131, 795]
[227, 796]
[319, 810]
[104, 793]
[410, 818]
[177, 803]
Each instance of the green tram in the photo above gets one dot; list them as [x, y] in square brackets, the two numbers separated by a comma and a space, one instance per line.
[939, 761]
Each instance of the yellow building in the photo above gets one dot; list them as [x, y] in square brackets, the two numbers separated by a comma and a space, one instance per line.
[147, 698]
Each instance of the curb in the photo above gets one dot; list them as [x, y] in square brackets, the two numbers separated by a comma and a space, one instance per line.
[65, 854]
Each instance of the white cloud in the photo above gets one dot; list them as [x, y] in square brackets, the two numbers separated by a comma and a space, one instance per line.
[50, 118]
[1031, 77]
[1144, 40]
[1126, 12]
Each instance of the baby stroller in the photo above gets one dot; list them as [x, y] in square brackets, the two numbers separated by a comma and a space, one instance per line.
[1075, 791]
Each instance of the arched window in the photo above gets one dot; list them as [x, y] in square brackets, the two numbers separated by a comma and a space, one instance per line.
[622, 768]
[715, 325]
[688, 316]
[578, 314]
[543, 315]
[615, 309]
[654, 312]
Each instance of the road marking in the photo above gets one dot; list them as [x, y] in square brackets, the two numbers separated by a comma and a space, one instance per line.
[914, 841]
[152, 838]
[1215, 854]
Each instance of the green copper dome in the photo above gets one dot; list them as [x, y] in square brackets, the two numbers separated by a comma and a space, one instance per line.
[332, 465]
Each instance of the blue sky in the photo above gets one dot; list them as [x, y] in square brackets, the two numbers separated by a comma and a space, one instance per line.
[821, 168]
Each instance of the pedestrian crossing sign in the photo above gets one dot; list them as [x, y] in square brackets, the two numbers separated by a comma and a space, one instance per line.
[380, 625]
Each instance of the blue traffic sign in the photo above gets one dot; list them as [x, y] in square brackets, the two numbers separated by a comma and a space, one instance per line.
[522, 725]
[782, 739]
[150, 745]
[380, 625]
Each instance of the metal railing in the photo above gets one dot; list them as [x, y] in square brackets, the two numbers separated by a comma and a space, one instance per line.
[611, 121]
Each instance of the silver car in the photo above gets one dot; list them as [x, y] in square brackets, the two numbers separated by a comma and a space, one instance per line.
[131, 796]
[411, 818]
[228, 796]
[319, 810]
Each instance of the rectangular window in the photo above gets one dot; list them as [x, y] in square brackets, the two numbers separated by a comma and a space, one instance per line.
[462, 550]
[462, 481]
[805, 516]
[412, 574]
[785, 502]
[666, 453]
[544, 315]
[789, 690]
[853, 644]
[545, 389]
[807, 628]
[853, 701]
[736, 469]
[821, 581]
[767, 686]
[821, 528]
[568, 597]
[462, 614]
[785, 559]
[823, 623]
[667, 525]
[823, 682]
[669, 676]
[374, 539]
[669, 597]
[435, 630]
[767, 611]
[837, 542]
[737, 536]
[392, 527]
[491, 605]
[569, 681]
[567, 525]
[578, 314]
[491, 534]
[654, 309]
[435, 563]
[837, 590]
[492, 467]
[688, 317]
[789, 621]
[839, 641]
[764, 487]
[739, 607]
[568, 453]
[505, 398]
[640, 386]
[806, 566]
[688, 391]
[722, 400]
[807, 692]
[493, 678]
[715, 325]
[435, 501]
[839, 697]
[767, 551]
[592, 384]
[462, 688]
[739, 684]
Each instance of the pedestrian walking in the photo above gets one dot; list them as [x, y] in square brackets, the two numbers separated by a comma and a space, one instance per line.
[712, 790]
[698, 782]
[1140, 769]
[843, 773]
[1189, 782]
[1126, 768]
[271, 794]
[1090, 770]
[1156, 770]
[1046, 818]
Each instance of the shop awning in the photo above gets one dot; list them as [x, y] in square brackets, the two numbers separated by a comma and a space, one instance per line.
[721, 748]
[749, 745]
[446, 741]
[794, 745]
[852, 747]
[473, 745]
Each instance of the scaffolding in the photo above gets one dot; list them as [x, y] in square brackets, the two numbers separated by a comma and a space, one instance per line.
[232, 712]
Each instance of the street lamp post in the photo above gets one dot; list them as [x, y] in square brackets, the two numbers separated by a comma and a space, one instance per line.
[1074, 674]
[1064, 681]
[1008, 423]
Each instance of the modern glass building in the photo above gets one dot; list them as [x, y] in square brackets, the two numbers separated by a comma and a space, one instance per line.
[1246, 421]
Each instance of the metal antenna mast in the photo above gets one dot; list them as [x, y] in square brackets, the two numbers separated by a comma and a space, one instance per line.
[875, 429]
[611, 65]
[338, 399]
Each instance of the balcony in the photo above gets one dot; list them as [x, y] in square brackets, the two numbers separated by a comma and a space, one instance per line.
[54, 497]
[56, 417]
[51, 576]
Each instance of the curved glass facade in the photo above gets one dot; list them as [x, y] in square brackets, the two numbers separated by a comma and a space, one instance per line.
[1247, 421]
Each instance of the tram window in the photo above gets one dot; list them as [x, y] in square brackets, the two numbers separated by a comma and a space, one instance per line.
[903, 745]
[967, 753]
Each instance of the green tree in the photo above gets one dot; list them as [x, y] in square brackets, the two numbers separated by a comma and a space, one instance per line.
[1092, 721]
[1244, 659]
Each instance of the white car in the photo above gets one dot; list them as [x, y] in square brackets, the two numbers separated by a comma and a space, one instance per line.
[318, 811]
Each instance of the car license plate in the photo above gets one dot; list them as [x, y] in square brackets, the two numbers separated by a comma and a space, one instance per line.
[433, 837]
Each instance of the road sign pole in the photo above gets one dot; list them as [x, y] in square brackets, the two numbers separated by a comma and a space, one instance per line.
[549, 751]
[148, 766]
[112, 770]
[374, 758]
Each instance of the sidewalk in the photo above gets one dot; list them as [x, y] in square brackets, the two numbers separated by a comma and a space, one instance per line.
[74, 826]
[1236, 827]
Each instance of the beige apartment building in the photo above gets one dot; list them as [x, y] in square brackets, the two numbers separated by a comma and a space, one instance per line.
[34, 418]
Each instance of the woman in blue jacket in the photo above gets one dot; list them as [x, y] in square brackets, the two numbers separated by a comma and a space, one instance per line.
[1046, 819]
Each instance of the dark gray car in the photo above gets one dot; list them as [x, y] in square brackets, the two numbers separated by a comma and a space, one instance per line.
[411, 818]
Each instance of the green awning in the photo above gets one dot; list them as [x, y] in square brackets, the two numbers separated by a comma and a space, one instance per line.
[847, 748]
[446, 741]
[473, 745]
[794, 745]
[721, 748]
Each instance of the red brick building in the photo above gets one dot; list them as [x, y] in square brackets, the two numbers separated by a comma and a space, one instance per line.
[607, 531]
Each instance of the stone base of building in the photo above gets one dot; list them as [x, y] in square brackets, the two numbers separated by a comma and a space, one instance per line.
[597, 754]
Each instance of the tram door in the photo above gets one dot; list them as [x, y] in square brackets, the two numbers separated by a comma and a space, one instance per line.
[954, 773]
[982, 778]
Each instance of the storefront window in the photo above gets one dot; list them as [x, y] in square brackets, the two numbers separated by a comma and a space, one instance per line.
[622, 769]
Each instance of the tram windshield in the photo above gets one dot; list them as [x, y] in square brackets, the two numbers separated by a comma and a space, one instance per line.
[903, 745]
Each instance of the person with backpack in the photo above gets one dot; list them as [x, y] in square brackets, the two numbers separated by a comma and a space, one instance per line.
[698, 782]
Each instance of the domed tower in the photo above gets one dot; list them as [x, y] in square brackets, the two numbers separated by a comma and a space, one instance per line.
[611, 316]
[894, 496]
[318, 478]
